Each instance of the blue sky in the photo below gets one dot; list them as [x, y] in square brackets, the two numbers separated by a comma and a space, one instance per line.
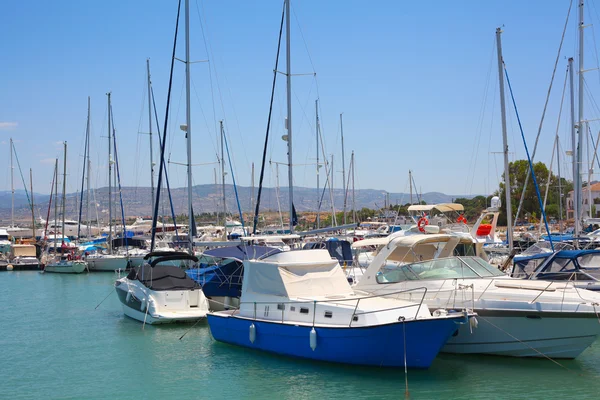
[411, 79]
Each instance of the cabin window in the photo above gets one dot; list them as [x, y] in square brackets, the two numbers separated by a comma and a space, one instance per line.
[281, 306]
[303, 310]
[328, 314]
[266, 311]
[292, 308]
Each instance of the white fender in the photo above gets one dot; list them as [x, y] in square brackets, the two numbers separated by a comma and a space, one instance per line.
[144, 305]
[313, 339]
[252, 333]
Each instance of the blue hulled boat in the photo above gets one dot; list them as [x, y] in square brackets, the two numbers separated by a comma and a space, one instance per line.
[299, 304]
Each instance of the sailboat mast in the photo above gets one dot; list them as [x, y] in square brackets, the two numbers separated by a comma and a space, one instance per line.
[109, 241]
[32, 207]
[89, 165]
[223, 178]
[577, 183]
[353, 198]
[188, 124]
[574, 146]
[252, 184]
[560, 200]
[410, 184]
[64, 196]
[318, 169]
[289, 112]
[150, 130]
[343, 166]
[509, 226]
[55, 200]
[12, 187]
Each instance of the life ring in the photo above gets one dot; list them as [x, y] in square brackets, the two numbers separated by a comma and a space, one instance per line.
[422, 223]
[462, 219]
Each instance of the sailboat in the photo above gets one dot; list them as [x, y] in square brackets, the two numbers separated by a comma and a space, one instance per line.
[109, 261]
[159, 291]
[65, 262]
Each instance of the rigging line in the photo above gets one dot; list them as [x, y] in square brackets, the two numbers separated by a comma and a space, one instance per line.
[303, 40]
[594, 38]
[136, 171]
[204, 116]
[162, 147]
[537, 138]
[537, 189]
[166, 174]
[117, 170]
[479, 128]
[85, 154]
[241, 137]
[208, 55]
[237, 197]
[264, 157]
[14, 150]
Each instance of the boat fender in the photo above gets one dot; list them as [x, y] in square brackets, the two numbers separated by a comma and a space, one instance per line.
[252, 333]
[143, 305]
[440, 313]
[128, 297]
[473, 323]
[9, 267]
[313, 339]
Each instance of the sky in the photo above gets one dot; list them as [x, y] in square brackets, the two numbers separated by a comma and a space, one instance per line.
[417, 84]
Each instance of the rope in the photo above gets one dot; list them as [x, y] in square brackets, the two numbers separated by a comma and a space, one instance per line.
[165, 167]
[264, 157]
[525, 344]
[237, 198]
[537, 138]
[162, 148]
[537, 188]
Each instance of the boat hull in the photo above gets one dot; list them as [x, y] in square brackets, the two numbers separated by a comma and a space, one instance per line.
[133, 301]
[373, 345]
[69, 267]
[107, 264]
[526, 334]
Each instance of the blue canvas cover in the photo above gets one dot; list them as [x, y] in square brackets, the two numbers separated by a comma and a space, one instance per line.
[339, 249]
[224, 279]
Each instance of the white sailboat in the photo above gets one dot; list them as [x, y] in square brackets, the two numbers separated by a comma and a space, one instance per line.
[64, 263]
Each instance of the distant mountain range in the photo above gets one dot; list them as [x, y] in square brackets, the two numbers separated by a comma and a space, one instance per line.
[207, 198]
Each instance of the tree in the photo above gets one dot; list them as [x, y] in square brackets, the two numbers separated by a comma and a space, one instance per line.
[518, 172]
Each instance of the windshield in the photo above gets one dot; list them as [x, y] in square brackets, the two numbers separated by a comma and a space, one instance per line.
[589, 260]
[441, 268]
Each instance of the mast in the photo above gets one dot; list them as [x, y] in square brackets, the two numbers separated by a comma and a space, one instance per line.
[223, 178]
[580, 125]
[89, 165]
[410, 184]
[188, 124]
[574, 146]
[590, 170]
[331, 191]
[353, 198]
[150, 129]
[109, 239]
[55, 201]
[277, 194]
[560, 195]
[289, 111]
[318, 166]
[343, 167]
[509, 227]
[64, 195]
[12, 187]
[252, 184]
[32, 207]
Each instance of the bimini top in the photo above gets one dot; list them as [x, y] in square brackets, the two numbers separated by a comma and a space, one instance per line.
[162, 277]
[241, 253]
[444, 207]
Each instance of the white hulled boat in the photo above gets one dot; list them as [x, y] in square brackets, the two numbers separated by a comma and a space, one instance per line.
[520, 318]
[156, 293]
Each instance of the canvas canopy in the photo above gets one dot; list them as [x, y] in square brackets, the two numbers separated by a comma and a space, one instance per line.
[295, 274]
[162, 277]
[242, 252]
[23, 250]
[444, 207]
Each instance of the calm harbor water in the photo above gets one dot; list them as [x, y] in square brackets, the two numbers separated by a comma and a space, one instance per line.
[54, 345]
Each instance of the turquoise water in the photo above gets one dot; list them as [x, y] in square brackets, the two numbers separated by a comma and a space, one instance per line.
[54, 345]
